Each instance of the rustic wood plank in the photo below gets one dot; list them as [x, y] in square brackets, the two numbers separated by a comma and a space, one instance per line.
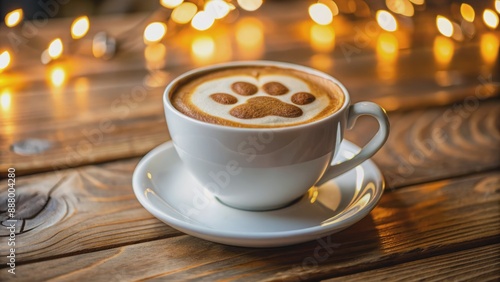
[409, 224]
[441, 142]
[478, 264]
[78, 210]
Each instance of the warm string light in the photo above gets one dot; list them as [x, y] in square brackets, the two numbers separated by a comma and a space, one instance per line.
[183, 13]
[386, 21]
[80, 27]
[170, 4]
[467, 12]
[55, 49]
[154, 32]
[490, 18]
[4, 60]
[203, 20]
[402, 7]
[497, 6]
[320, 13]
[444, 26]
[218, 9]
[250, 5]
[14, 18]
[57, 77]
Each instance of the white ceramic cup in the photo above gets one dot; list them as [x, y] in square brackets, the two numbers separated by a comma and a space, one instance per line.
[267, 168]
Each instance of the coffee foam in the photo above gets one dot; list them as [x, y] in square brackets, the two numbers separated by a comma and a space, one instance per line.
[283, 98]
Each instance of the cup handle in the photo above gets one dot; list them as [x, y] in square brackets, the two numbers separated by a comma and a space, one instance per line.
[355, 111]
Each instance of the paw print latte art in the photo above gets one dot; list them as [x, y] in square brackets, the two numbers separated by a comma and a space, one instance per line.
[257, 97]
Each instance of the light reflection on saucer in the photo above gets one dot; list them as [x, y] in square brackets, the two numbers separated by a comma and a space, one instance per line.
[169, 192]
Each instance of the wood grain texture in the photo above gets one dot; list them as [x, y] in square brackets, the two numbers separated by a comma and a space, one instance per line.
[478, 264]
[441, 142]
[120, 240]
[79, 210]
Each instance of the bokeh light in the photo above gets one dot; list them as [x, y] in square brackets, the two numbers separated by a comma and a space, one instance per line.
[171, 3]
[249, 27]
[6, 100]
[218, 9]
[322, 61]
[56, 48]
[45, 57]
[155, 55]
[386, 20]
[14, 18]
[183, 13]
[489, 47]
[154, 32]
[80, 27]
[322, 38]
[444, 26]
[57, 76]
[443, 50]
[467, 12]
[331, 5]
[418, 2]
[387, 47]
[203, 49]
[4, 60]
[320, 13]
[250, 5]
[203, 20]
[490, 18]
[458, 34]
[402, 7]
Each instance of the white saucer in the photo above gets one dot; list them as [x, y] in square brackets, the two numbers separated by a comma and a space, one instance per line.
[169, 192]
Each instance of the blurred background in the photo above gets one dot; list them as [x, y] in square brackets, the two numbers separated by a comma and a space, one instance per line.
[172, 32]
[64, 64]
[214, 31]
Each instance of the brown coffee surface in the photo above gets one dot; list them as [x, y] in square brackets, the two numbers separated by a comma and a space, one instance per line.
[257, 97]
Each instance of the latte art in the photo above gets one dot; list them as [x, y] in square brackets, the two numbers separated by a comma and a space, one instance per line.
[257, 97]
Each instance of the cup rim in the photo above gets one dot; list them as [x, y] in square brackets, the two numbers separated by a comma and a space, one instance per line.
[168, 103]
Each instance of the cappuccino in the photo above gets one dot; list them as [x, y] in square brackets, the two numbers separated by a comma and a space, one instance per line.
[257, 96]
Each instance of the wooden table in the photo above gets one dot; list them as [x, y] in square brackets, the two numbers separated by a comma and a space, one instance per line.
[78, 219]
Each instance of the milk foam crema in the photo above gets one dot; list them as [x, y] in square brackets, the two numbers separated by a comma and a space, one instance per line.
[257, 97]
